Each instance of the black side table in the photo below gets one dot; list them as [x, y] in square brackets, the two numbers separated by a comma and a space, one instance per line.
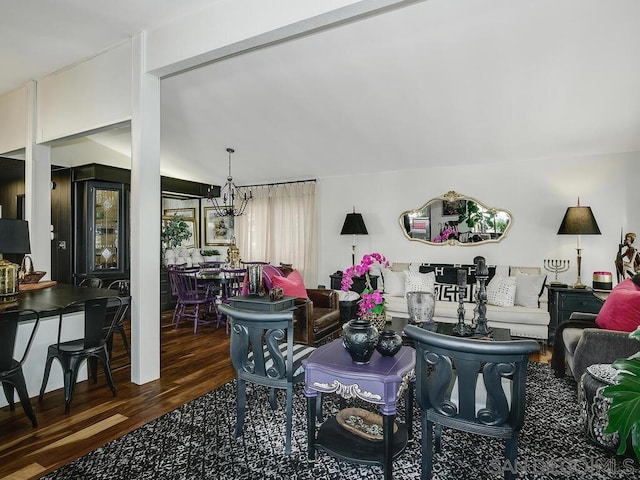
[262, 304]
[563, 301]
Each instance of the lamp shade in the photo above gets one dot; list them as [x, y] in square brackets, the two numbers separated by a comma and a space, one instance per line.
[354, 225]
[579, 221]
[14, 236]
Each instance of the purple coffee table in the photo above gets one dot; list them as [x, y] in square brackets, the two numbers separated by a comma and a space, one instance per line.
[382, 381]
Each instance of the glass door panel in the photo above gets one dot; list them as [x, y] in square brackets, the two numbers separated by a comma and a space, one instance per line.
[107, 214]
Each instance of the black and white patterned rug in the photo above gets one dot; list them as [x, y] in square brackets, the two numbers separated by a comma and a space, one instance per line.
[196, 441]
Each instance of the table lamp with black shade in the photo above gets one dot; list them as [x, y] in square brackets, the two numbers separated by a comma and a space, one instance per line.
[14, 239]
[578, 221]
[354, 225]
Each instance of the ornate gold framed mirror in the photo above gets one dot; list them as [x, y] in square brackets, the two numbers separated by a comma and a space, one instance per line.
[455, 219]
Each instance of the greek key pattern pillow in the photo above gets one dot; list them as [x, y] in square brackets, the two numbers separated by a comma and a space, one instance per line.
[449, 293]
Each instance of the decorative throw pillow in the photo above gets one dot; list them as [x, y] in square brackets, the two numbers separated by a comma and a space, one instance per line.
[399, 267]
[528, 289]
[414, 267]
[419, 282]
[292, 285]
[268, 274]
[376, 270]
[393, 282]
[515, 271]
[621, 310]
[501, 291]
[448, 292]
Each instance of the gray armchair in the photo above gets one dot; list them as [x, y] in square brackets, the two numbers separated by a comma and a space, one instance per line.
[580, 343]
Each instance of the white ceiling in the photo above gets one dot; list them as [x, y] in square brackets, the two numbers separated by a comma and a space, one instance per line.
[441, 82]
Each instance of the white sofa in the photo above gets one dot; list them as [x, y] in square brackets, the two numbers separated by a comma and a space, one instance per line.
[523, 312]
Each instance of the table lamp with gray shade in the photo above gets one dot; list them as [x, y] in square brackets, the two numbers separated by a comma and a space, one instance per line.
[354, 225]
[14, 239]
[579, 221]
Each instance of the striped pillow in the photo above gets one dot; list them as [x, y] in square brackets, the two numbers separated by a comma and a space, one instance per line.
[300, 352]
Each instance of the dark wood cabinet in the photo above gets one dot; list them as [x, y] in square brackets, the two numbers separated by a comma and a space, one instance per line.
[563, 301]
[102, 230]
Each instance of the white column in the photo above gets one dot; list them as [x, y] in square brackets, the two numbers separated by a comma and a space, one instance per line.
[37, 184]
[145, 218]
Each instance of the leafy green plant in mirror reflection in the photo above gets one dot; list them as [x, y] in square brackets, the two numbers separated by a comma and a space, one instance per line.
[479, 219]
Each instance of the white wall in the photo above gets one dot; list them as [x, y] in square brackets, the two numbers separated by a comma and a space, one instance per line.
[537, 193]
[630, 198]
[198, 38]
[82, 151]
[91, 95]
[13, 118]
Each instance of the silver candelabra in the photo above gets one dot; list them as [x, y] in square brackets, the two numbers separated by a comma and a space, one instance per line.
[556, 266]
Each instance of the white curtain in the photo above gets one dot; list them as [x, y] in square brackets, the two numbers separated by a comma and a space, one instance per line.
[280, 225]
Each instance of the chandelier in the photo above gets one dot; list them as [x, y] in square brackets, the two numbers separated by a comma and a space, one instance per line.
[225, 205]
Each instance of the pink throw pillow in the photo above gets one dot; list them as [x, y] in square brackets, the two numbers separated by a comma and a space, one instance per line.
[621, 310]
[292, 285]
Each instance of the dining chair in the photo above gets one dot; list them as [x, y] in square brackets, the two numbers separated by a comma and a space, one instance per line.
[470, 385]
[11, 375]
[232, 283]
[93, 344]
[211, 278]
[196, 300]
[174, 287]
[91, 282]
[263, 353]
[123, 288]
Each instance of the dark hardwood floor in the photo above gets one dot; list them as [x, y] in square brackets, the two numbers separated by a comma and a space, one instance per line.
[191, 365]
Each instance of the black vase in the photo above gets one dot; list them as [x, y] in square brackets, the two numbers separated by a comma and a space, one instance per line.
[360, 338]
[389, 343]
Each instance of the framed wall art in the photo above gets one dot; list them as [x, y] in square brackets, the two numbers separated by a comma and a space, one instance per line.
[180, 212]
[218, 230]
[453, 207]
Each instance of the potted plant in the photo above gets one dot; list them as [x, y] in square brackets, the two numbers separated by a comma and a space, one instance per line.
[211, 255]
[372, 305]
[624, 412]
[174, 231]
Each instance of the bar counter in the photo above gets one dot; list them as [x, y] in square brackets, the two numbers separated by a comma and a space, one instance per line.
[48, 302]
